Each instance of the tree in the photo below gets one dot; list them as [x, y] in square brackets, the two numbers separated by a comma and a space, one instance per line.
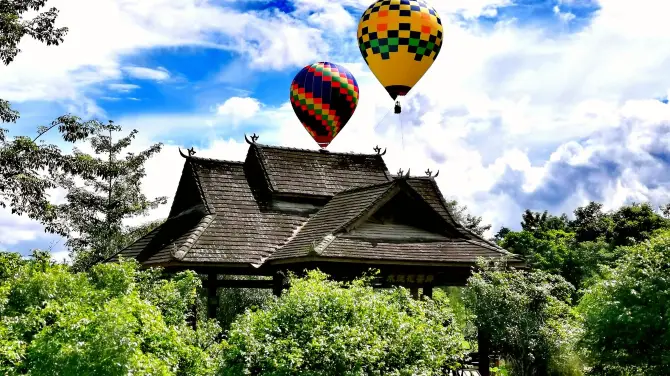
[528, 318]
[28, 169]
[591, 223]
[627, 313]
[535, 221]
[235, 301]
[94, 213]
[13, 27]
[471, 222]
[322, 327]
[634, 223]
[113, 320]
[665, 210]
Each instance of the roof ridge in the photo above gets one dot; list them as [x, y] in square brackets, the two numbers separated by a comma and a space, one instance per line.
[200, 227]
[210, 210]
[396, 177]
[204, 159]
[319, 152]
[117, 254]
[363, 187]
[261, 160]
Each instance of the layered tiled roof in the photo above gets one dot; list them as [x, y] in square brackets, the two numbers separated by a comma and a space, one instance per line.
[341, 210]
[331, 233]
[223, 213]
[308, 172]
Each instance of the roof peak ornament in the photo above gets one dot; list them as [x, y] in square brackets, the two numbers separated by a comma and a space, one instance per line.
[190, 151]
[378, 150]
[429, 173]
[400, 173]
[253, 140]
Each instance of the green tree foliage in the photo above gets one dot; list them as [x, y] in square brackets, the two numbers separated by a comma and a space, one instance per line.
[29, 169]
[321, 327]
[591, 223]
[13, 27]
[111, 194]
[534, 221]
[501, 234]
[627, 313]
[112, 320]
[576, 249]
[235, 301]
[529, 318]
[635, 223]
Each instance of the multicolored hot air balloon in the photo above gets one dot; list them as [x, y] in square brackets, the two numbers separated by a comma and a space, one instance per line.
[324, 96]
[399, 40]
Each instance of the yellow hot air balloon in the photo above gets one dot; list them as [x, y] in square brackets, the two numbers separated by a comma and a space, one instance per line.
[399, 40]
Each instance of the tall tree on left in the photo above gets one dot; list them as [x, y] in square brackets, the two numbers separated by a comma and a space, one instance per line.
[28, 168]
[94, 213]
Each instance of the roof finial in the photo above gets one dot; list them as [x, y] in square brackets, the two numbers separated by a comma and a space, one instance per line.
[190, 151]
[428, 172]
[254, 138]
[437, 173]
[400, 172]
[407, 175]
[378, 150]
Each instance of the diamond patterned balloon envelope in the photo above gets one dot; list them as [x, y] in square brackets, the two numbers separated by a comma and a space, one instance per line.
[324, 96]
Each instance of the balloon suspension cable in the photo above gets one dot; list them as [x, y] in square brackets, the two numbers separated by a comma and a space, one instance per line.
[380, 121]
[402, 133]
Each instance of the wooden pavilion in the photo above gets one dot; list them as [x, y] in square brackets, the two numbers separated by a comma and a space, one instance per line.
[285, 209]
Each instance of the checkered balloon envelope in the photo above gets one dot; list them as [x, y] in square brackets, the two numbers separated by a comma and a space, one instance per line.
[399, 40]
[324, 96]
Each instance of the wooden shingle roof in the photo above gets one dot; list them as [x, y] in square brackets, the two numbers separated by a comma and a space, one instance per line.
[316, 173]
[331, 233]
[223, 213]
[340, 211]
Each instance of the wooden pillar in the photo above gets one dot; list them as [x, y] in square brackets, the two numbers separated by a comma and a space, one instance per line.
[193, 320]
[428, 291]
[212, 298]
[277, 284]
[415, 292]
[484, 344]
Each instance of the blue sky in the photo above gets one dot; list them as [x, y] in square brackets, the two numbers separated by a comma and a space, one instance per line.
[531, 104]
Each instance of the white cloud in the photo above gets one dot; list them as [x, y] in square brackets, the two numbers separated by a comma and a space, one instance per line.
[91, 54]
[143, 73]
[123, 88]
[239, 108]
[513, 117]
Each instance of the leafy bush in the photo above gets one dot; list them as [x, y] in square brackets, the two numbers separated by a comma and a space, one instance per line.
[627, 313]
[113, 320]
[322, 327]
[235, 301]
[528, 318]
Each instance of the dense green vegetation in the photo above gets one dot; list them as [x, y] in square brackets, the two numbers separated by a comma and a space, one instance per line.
[111, 320]
[321, 327]
[116, 319]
